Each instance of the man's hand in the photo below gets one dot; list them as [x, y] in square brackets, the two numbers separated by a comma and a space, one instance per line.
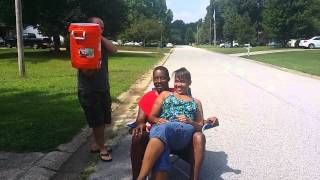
[183, 118]
[139, 129]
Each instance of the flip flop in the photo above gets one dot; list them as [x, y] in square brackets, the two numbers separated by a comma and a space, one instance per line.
[106, 157]
[109, 149]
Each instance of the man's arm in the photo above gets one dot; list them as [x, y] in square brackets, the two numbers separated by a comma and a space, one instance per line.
[110, 48]
[141, 123]
[108, 45]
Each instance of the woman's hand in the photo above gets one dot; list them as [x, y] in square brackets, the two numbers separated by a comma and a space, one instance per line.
[161, 121]
[183, 118]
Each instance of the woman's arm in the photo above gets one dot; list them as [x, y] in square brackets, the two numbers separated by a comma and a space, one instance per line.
[199, 116]
[156, 109]
[199, 121]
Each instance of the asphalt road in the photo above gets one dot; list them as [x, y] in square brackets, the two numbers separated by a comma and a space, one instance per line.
[269, 120]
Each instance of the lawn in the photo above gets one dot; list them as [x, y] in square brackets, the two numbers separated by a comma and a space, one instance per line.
[304, 61]
[140, 48]
[42, 111]
[236, 50]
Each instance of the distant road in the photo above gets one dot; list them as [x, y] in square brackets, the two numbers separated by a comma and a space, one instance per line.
[270, 119]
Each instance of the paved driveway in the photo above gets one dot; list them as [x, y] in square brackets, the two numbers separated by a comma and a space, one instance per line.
[270, 119]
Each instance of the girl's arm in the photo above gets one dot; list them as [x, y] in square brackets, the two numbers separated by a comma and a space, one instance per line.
[156, 108]
[198, 122]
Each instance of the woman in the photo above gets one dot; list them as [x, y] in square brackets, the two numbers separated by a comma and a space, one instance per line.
[175, 117]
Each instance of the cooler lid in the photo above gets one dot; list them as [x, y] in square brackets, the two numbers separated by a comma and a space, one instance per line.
[84, 24]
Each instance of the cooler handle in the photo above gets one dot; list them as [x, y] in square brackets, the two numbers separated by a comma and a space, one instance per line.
[79, 37]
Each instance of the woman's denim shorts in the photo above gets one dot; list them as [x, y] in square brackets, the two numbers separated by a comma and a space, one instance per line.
[175, 135]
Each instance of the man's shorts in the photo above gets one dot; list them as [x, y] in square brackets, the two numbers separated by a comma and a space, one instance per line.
[97, 107]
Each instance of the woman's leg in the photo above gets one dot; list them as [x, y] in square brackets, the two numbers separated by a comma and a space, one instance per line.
[154, 149]
[180, 135]
[160, 175]
[198, 147]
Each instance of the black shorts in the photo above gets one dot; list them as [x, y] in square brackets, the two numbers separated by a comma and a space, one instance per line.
[97, 107]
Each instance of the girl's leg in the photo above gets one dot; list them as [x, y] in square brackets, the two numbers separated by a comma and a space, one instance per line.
[198, 146]
[154, 149]
[160, 175]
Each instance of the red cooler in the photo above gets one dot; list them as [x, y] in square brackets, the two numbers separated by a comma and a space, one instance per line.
[85, 45]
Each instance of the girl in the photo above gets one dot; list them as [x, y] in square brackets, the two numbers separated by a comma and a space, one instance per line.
[176, 116]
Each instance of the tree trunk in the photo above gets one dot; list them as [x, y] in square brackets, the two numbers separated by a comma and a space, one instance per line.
[56, 42]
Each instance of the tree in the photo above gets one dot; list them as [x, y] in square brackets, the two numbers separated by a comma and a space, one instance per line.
[53, 17]
[155, 10]
[245, 33]
[284, 19]
[189, 37]
[230, 26]
[178, 31]
[144, 29]
[229, 15]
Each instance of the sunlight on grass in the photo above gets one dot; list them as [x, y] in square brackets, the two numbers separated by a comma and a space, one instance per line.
[237, 49]
[42, 111]
[304, 61]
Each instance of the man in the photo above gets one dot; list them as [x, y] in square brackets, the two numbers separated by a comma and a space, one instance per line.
[192, 154]
[94, 95]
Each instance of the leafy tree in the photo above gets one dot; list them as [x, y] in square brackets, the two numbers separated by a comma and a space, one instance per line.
[114, 13]
[245, 32]
[144, 29]
[229, 14]
[189, 37]
[155, 10]
[284, 19]
[178, 31]
[53, 17]
[230, 26]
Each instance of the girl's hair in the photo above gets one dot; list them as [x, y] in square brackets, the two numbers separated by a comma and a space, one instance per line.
[182, 74]
[162, 68]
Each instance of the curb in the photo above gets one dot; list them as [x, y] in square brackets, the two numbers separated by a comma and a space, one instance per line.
[48, 165]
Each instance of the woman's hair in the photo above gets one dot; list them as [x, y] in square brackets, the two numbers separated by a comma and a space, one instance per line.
[163, 69]
[182, 74]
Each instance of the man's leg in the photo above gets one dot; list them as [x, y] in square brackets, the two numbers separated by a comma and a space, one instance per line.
[138, 147]
[98, 134]
[198, 146]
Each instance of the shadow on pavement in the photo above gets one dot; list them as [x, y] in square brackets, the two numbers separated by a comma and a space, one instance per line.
[214, 166]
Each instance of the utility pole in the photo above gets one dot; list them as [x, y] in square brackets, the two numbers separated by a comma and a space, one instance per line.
[197, 33]
[160, 22]
[210, 38]
[214, 28]
[20, 46]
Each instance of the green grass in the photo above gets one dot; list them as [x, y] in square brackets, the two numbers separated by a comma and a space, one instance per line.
[304, 61]
[148, 49]
[42, 111]
[236, 50]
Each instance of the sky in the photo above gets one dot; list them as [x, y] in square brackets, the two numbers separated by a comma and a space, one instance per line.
[188, 10]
